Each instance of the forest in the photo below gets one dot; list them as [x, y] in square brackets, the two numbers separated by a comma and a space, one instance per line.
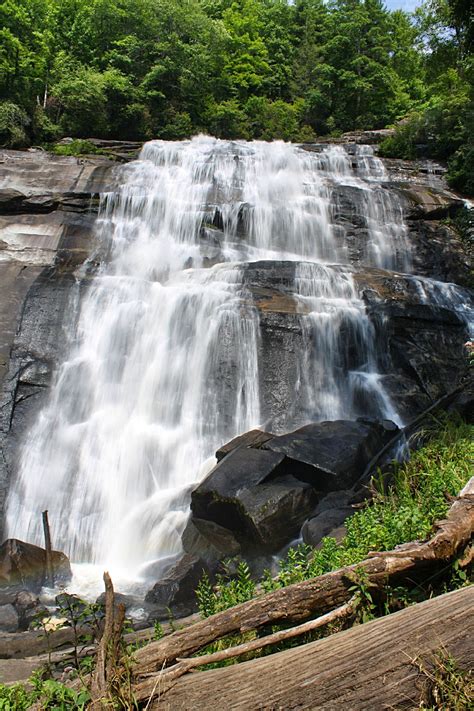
[264, 69]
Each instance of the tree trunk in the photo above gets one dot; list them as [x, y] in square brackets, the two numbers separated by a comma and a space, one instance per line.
[370, 666]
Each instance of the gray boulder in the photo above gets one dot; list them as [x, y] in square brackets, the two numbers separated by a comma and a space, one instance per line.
[208, 540]
[324, 524]
[8, 618]
[176, 591]
[24, 565]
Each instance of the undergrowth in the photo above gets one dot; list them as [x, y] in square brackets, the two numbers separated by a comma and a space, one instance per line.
[448, 687]
[50, 694]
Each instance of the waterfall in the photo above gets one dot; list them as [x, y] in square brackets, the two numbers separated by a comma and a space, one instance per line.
[164, 366]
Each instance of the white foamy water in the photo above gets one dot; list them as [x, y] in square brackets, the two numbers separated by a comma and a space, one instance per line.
[164, 366]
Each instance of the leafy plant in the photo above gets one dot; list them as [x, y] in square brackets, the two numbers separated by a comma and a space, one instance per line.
[13, 124]
[77, 147]
[231, 588]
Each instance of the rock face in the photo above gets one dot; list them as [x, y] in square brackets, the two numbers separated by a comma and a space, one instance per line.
[48, 206]
[23, 566]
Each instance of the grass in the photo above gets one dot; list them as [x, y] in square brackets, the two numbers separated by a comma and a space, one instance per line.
[448, 687]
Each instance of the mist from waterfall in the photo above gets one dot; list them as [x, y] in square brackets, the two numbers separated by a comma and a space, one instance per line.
[164, 366]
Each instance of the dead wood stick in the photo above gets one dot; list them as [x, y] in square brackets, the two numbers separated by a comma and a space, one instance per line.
[49, 549]
[301, 601]
[164, 680]
[101, 675]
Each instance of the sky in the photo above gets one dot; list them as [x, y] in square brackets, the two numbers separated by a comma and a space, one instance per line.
[407, 5]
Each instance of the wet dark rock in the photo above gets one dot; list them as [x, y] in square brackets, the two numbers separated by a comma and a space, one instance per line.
[24, 565]
[254, 439]
[176, 591]
[332, 455]
[28, 608]
[8, 618]
[251, 493]
[10, 200]
[438, 252]
[324, 524]
[271, 513]
[208, 540]
[242, 467]
[421, 344]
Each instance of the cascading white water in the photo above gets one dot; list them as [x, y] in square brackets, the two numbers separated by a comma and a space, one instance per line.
[165, 366]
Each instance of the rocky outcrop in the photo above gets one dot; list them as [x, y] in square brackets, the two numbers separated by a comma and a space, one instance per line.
[265, 488]
[436, 249]
[420, 327]
[48, 206]
[23, 566]
[262, 491]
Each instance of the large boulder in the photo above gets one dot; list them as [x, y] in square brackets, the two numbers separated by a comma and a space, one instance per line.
[254, 438]
[251, 494]
[28, 608]
[332, 455]
[262, 491]
[8, 618]
[23, 565]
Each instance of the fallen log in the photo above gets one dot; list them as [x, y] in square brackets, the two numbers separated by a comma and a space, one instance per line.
[166, 679]
[304, 600]
[370, 666]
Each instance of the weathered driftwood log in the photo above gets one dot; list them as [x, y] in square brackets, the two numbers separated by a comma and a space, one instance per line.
[18, 645]
[301, 601]
[166, 679]
[371, 666]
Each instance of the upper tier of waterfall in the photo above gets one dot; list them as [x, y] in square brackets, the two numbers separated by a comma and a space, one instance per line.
[165, 364]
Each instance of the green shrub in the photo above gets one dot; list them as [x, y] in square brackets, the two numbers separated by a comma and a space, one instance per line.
[230, 589]
[50, 694]
[78, 147]
[13, 124]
